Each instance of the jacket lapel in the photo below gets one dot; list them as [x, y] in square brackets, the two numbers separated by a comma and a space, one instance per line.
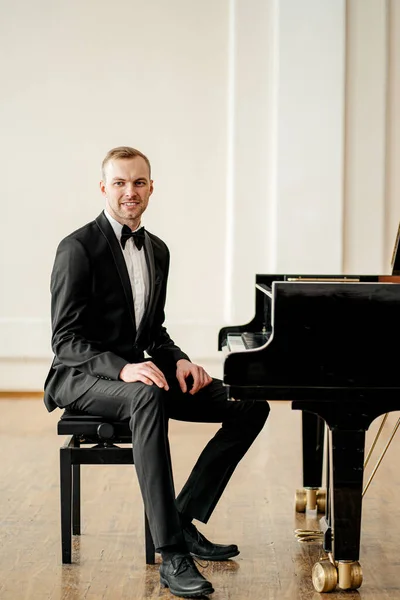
[108, 233]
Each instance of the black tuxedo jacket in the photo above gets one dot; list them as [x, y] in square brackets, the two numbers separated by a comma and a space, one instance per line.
[93, 319]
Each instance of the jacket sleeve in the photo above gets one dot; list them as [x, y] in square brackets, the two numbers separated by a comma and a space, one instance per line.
[70, 300]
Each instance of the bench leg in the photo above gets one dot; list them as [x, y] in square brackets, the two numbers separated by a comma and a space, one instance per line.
[65, 497]
[150, 550]
[76, 499]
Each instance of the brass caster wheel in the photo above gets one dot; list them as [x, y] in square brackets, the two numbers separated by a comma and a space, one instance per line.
[321, 501]
[324, 576]
[300, 500]
[350, 575]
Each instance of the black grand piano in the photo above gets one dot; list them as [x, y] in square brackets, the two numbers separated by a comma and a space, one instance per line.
[327, 343]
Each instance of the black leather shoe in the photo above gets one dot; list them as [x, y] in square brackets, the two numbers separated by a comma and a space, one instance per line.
[200, 547]
[181, 576]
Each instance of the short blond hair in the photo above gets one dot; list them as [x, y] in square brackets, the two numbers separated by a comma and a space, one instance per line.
[122, 152]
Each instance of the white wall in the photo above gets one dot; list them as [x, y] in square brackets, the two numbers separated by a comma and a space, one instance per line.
[273, 128]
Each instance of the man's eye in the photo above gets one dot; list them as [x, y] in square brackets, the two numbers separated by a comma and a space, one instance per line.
[119, 183]
[140, 183]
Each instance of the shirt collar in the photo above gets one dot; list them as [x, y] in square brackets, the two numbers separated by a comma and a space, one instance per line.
[116, 225]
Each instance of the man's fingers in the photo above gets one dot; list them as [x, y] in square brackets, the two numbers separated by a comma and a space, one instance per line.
[201, 379]
[195, 388]
[145, 380]
[196, 374]
[149, 367]
[149, 371]
[146, 372]
[154, 368]
[182, 383]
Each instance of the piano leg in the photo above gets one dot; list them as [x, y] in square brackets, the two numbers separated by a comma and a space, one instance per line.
[346, 482]
[312, 497]
[347, 423]
[342, 523]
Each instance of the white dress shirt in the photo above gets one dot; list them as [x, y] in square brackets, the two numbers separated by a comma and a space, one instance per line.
[137, 270]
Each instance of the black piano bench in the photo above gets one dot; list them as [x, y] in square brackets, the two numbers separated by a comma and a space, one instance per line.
[90, 441]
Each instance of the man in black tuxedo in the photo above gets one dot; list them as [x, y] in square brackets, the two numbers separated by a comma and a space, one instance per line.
[108, 287]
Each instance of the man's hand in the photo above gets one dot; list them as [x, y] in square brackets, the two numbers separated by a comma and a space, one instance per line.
[184, 368]
[146, 372]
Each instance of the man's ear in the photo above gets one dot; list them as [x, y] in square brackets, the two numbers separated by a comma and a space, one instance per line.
[151, 187]
[103, 187]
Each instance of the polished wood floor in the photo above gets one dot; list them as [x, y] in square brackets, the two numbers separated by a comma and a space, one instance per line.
[256, 512]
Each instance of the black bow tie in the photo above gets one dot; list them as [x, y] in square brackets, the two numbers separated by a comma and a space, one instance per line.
[138, 236]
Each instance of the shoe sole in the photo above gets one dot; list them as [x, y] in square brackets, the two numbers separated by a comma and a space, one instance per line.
[215, 559]
[201, 593]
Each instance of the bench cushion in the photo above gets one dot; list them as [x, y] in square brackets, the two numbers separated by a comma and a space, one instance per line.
[79, 423]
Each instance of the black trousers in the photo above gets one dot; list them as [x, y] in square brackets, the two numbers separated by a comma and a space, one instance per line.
[148, 409]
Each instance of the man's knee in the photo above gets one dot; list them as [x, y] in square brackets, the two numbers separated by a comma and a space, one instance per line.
[254, 415]
[148, 397]
[148, 415]
[263, 408]
[260, 410]
[136, 397]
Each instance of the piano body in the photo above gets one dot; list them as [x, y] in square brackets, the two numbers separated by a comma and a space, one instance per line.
[324, 343]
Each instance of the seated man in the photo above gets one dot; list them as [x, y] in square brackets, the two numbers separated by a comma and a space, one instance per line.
[108, 287]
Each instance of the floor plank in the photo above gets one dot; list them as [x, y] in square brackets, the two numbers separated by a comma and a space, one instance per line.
[256, 512]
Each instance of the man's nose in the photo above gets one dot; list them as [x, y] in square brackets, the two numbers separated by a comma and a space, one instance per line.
[130, 190]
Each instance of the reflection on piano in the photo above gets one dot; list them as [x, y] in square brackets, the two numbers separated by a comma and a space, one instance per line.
[323, 343]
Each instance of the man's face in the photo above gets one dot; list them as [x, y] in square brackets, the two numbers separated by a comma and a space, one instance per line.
[127, 188]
